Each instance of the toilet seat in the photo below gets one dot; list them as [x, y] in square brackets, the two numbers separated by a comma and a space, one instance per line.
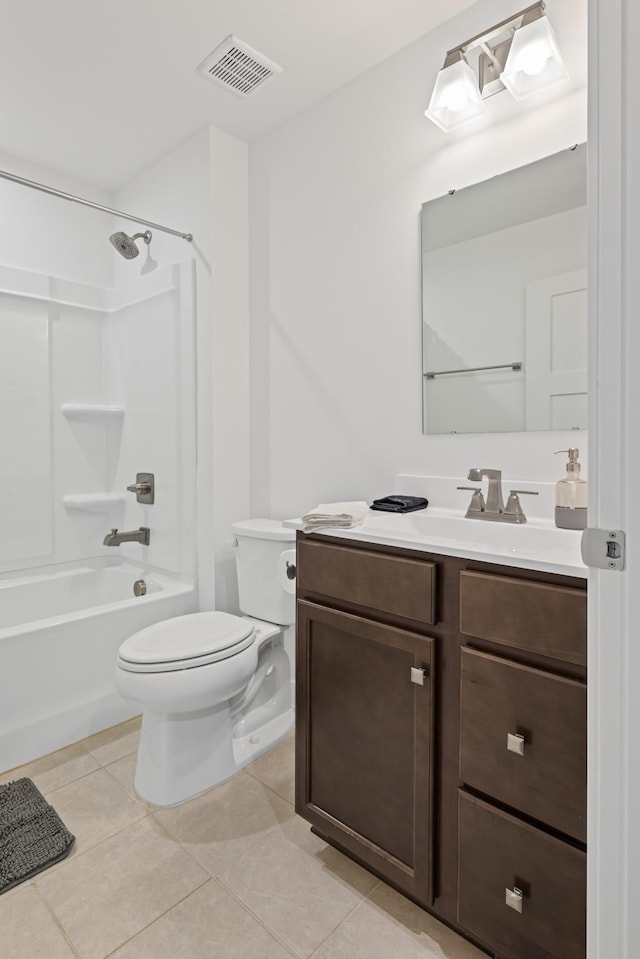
[185, 642]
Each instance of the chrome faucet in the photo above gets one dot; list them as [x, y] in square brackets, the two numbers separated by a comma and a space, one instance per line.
[141, 535]
[494, 501]
[493, 507]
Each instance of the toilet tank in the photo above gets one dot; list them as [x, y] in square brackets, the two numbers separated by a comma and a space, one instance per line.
[265, 557]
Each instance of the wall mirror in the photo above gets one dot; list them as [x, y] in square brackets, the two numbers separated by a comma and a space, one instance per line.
[504, 301]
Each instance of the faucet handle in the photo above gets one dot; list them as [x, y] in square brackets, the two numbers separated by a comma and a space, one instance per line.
[144, 488]
[513, 507]
[477, 504]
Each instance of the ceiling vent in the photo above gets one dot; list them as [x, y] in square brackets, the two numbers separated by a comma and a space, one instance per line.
[238, 67]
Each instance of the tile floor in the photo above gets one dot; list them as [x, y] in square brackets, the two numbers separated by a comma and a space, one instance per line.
[232, 874]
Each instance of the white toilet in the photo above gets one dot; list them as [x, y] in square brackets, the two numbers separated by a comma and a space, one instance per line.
[215, 689]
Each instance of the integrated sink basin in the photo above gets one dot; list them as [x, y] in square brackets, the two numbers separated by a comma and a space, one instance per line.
[534, 545]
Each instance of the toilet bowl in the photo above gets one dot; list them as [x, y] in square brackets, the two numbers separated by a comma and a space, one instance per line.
[214, 688]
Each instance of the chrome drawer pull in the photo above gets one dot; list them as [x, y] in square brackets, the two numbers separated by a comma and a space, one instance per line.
[515, 743]
[513, 898]
[418, 675]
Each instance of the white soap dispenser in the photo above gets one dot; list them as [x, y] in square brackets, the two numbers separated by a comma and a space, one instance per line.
[572, 495]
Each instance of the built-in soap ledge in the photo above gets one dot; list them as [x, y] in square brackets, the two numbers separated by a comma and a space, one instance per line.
[91, 410]
[93, 502]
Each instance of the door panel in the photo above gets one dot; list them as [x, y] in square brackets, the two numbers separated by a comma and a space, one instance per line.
[365, 749]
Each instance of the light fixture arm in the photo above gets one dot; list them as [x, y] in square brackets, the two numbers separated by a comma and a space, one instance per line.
[528, 15]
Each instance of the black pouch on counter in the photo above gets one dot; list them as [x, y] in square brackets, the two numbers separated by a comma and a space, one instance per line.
[400, 504]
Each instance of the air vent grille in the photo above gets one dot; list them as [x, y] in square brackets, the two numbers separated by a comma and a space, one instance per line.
[238, 67]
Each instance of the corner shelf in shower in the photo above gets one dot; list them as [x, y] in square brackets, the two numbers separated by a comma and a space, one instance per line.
[90, 411]
[93, 502]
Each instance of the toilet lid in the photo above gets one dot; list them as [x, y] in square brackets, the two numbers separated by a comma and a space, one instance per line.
[195, 639]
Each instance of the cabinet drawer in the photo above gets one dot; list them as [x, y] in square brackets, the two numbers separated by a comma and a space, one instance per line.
[384, 583]
[547, 780]
[547, 620]
[497, 854]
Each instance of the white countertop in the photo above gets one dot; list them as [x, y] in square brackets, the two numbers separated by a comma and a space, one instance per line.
[538, 544]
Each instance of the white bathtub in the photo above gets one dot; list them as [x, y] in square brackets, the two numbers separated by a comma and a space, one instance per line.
[60, 630]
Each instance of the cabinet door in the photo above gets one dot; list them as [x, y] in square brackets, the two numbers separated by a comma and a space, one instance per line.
[364, 742]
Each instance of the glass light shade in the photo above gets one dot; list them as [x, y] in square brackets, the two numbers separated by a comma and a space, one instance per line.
[456, 98]
[534, 62]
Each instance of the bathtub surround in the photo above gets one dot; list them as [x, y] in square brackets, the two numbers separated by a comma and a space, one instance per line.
[96, 385]
[103, 379]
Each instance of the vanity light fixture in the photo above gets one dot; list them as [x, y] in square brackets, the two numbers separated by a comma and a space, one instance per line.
[519, 54]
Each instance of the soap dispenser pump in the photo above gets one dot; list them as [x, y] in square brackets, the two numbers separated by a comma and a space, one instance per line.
[572, 495]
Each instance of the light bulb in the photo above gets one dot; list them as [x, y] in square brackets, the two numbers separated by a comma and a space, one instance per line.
[455, 98]
[533, 60]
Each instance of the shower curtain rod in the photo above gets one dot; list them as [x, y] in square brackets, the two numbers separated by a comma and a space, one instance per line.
[96, 206]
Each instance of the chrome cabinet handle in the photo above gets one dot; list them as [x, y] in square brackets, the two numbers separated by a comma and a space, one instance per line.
[515, 743]
[513, 898]
[418, 675]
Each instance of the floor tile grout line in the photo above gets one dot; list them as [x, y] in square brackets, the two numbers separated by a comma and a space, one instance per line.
[16, 769]
[110, 762]
[270, 788]
[131, 794]
[55, 918]
[207, 878]
[82, 852]
[262, 782]
[78, 779]
[258, 919]
[193, 855]
[344, 919]
[200, 885]
[79, 742]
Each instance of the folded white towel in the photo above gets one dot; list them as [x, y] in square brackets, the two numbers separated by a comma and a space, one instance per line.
[335, 515]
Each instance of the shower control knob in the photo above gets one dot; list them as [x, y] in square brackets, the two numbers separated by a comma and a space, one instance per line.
[144, 488]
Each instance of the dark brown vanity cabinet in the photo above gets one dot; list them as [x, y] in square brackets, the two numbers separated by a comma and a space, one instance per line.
[523, 766]
[365, 706]
[441, 735]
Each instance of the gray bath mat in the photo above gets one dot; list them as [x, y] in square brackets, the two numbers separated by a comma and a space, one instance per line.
[32, 835]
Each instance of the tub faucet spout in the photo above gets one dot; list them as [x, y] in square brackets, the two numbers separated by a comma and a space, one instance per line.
[141, 535]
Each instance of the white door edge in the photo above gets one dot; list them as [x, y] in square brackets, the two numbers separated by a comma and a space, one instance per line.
[613, 914]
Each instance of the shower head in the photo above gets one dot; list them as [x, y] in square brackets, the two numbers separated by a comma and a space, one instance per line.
[125, 245]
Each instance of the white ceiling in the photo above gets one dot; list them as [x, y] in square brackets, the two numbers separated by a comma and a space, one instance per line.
[98, 90]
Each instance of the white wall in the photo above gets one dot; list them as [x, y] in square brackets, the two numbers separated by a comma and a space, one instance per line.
[201, 188]
[48, 235]
[335, 197]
